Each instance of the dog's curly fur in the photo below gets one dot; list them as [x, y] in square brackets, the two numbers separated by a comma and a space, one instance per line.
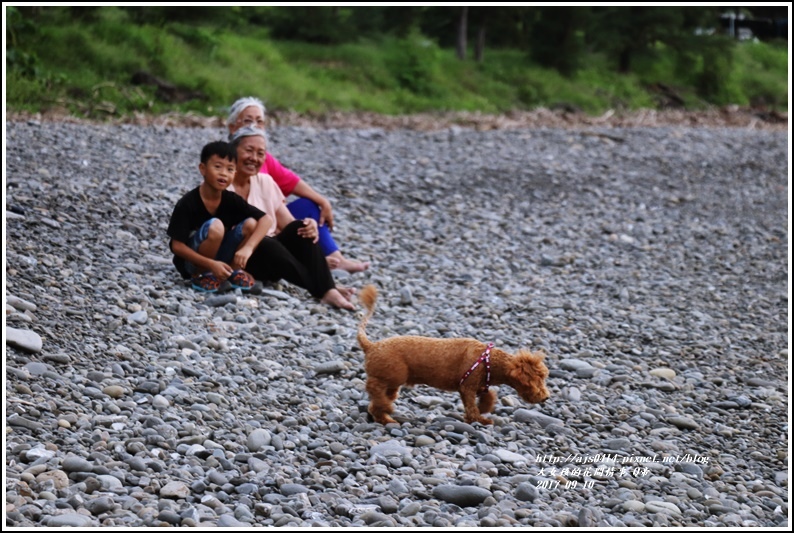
[409, 360]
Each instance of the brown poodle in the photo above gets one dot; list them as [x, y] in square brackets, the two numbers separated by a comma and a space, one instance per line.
[464, 365]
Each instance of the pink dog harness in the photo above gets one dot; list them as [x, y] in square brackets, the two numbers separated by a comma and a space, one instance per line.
[484, 358]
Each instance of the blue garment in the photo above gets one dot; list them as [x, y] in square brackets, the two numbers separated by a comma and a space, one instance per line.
[231, 241]
[305, 208]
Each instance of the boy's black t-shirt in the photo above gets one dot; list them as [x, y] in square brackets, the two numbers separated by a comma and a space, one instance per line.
[190, 213]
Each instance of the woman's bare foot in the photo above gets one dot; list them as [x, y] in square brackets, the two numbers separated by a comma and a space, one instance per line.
[335, 298]
[342, 263]
[347, 292]
[353, 266]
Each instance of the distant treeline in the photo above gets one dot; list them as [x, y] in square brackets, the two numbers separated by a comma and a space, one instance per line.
[555, 37]
[115, 60]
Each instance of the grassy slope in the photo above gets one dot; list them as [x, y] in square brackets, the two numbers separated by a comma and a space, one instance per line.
[87, 70]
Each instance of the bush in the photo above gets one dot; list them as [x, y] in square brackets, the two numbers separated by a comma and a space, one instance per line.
[713, 81]
[413, 62]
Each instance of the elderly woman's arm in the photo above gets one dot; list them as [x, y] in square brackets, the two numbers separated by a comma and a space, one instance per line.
[291, 183]
[304, 190]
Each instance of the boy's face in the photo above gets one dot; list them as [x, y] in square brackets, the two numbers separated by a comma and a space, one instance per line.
[218, 172]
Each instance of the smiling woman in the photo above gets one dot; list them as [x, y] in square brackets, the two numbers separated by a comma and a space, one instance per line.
[250, 112]
[290, 250]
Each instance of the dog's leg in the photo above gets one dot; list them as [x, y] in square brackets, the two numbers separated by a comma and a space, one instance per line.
[391, 394]
[380, 404]
[471, 412]
[487, 401]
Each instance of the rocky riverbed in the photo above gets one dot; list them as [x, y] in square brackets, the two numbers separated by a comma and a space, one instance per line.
[650, 264]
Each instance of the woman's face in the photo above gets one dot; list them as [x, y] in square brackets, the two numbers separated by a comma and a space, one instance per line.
[250, 155]
[250, 116]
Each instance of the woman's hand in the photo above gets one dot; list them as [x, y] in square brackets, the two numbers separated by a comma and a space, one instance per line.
[309, 230]
[326, 213]
[241, 257]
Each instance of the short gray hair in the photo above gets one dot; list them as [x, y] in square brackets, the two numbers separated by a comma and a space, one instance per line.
[241, 103]
[247, 131]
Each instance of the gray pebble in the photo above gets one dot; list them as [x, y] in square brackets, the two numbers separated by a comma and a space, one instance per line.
[618, 251]
[464, 496]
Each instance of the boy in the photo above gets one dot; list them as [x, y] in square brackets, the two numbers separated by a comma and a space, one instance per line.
[213, 231]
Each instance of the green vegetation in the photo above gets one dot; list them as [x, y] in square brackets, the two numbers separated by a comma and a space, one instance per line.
[83, 61]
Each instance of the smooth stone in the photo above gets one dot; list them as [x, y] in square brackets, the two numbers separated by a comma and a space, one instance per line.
[662, 507]
[19, 304]
[114, 391]
[527, 415]
[160, 402]
[290, 489]
[617, 444]
[424, 440]
[21, 421]
[507, 456]
[574, 364]
[461, 495]
[230, 521]
[74, 463]
[37, 369]
[331, 367]
[633, 506]
[666, 373]
[175, 489]
[58, 477]
[100, 505]
[70, 520]
[527, 492]
[220, 300]
[389, 448]
[109, 482]
[139, 317]
[23, 339]
[170, 517]
[258, 439]
[683, 422]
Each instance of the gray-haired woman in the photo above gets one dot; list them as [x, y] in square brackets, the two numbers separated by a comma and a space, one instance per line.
[289, 251]
[250, 111]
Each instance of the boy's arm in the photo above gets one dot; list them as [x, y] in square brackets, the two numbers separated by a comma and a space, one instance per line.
[248, 246]
[220, 269]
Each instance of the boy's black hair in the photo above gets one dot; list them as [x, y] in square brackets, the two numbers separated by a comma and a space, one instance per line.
[222, 149]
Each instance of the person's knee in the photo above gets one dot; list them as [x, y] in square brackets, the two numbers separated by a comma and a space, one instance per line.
[293, 227]
[216, 230]
[304, 208]
[248, 227]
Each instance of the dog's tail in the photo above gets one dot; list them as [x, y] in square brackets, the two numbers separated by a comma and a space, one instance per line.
[367, 296]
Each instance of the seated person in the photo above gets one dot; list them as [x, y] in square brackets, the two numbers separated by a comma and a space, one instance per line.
[213, 233]
[250, 111]
[290, 249]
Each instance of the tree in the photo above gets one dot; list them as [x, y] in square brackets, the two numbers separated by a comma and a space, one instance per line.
[460, 47]
[625, 32]
[555, 39]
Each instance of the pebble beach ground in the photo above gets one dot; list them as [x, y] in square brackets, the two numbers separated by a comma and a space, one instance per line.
[649, 263]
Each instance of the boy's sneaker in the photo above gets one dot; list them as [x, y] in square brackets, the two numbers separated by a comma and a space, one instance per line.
[206, 282]
[240, 279]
